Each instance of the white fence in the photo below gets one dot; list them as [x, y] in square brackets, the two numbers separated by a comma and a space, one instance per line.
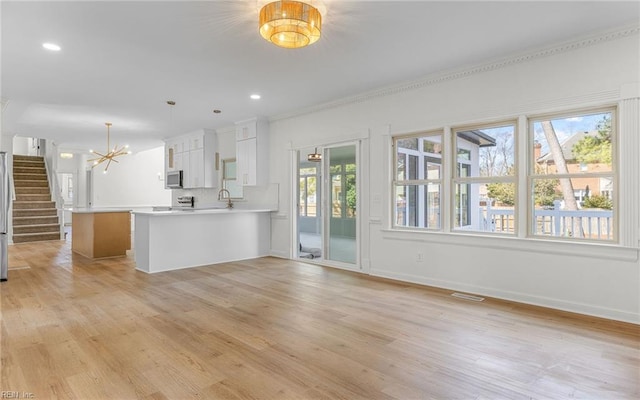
[585, 223]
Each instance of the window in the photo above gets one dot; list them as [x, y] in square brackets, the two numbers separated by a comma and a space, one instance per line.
[417, 183]
[484, 182]
[572, 176]
[343, 188]
[229, 181]
[308, 191]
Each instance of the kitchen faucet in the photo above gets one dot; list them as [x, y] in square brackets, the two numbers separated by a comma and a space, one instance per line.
[221, 197]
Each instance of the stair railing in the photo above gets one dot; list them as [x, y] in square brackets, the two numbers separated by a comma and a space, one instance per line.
[55, 193]
[12, 189]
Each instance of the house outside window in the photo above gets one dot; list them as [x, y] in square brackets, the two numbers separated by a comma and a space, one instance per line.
[343, 188]
[570, 180]
[572, 176]
[417, 183]
[484, 183]
[308, 192]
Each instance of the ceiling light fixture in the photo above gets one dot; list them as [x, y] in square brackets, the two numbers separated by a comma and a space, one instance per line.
[290, 24]
[111, 153]
[51, 46]
[315, 156]
[255, 97]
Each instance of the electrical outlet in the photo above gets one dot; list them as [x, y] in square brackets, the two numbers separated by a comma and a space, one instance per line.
[420, 257]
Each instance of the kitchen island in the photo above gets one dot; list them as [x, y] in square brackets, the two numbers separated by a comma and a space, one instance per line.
[100, 232]
[176, 239]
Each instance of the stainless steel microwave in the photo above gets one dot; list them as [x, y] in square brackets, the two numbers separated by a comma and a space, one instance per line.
[174, 180]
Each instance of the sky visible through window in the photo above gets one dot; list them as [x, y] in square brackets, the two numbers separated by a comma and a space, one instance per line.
[567, 127]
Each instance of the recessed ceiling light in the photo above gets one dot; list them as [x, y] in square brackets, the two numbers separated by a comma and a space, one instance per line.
[255, 96]
[51, 46]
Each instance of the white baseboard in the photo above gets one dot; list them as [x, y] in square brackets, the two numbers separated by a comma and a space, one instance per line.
[558, 304]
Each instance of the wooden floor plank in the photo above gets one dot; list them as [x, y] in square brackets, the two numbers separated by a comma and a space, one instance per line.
[269, 328]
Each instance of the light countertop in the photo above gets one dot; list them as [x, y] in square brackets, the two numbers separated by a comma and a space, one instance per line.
[91, 210]
[204, 211]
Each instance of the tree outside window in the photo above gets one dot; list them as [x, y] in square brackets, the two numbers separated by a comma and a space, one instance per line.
[575, 152]
[485, 179]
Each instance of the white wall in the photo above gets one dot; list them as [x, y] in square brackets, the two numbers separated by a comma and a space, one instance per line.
[589, 279]
[132, 182]
[22, 145]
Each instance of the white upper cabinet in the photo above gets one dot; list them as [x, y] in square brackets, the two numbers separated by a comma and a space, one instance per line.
[196, 142]
[195, 155]
[246, 162]
[176, 144]
[196, 177]
[252, 152]
[174, 148]
[246, 129]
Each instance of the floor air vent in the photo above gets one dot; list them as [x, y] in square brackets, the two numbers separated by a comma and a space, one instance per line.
[12, 268]
[467, 297]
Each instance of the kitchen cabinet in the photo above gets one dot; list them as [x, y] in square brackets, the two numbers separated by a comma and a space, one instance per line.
[246, 162]
[252, 152]
[196, 142]
[195, 155]
[177, 164]
[237, 234]
[174, 148]
[196, 176]
[246, 129]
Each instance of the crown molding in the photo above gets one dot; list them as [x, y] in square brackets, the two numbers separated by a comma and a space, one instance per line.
[450, 75]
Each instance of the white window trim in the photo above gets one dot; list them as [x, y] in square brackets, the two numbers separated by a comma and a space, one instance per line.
[626, 245]
[530, 173]
[455, 179]
[501, 242]
[395, 183]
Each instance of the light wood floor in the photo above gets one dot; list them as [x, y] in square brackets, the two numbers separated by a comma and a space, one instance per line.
[278, 329]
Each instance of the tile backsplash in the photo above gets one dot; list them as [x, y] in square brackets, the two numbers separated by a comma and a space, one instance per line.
[254, 197]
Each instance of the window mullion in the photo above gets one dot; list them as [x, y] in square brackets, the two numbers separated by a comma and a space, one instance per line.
[485, 179]
[448, 164]
[524, 197]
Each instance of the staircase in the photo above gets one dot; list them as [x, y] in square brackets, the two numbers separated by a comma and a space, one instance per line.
[35, 217]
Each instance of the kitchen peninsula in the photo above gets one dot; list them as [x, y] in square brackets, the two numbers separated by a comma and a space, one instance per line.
[176, 239]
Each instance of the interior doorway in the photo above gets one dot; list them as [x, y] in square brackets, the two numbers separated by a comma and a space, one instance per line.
[327, 194]
[89, 188]
[66, 183]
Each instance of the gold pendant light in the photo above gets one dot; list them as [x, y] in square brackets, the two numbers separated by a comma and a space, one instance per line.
[290, 24]
[111, 154]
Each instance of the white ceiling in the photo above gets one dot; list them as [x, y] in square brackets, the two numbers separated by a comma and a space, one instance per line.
[121, 61]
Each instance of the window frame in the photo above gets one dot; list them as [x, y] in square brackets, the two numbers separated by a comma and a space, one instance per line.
[303, 211]
[343, 176]
[227, 180]
[614, 173]
[456, 179]
[423, 163]
[523, 178]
